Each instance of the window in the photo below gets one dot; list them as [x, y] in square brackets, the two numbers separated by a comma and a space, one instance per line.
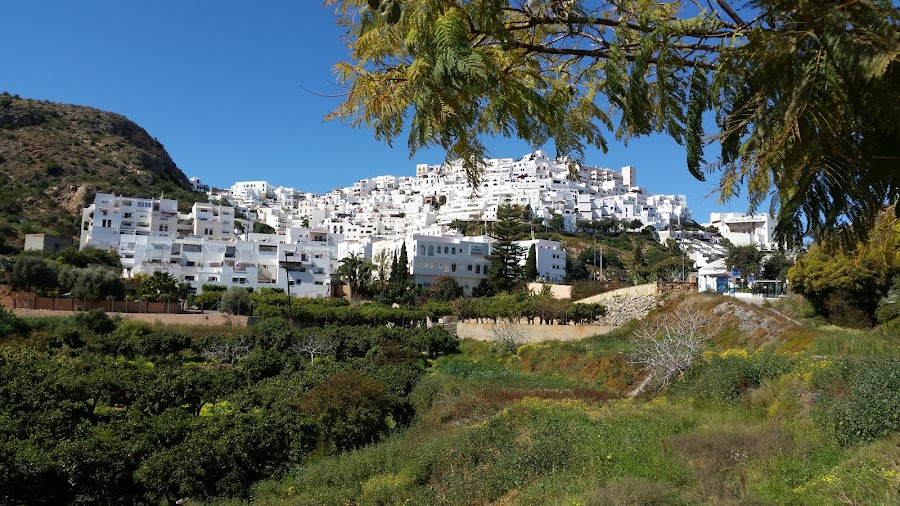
[189, 278]
[478, 269]
[469, 267]
[431, 251]
[127, 215]
[453, 268]
[453, 250]
[145, 204]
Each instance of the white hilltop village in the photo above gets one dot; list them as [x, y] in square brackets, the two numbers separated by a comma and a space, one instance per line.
[215, 244]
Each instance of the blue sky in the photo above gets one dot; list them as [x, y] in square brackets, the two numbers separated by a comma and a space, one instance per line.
[220, 84]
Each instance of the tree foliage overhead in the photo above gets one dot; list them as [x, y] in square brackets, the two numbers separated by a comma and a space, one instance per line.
[804, 92]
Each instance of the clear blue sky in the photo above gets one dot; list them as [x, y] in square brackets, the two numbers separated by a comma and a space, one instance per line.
[219, 84]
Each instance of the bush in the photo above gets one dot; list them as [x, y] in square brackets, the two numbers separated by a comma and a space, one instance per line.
[861, 399]
[349, 410]
[236, 301]
[725, 377]
[97, 321]
[9, 323]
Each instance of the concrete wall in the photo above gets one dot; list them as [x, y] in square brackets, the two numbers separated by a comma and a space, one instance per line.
[558, 291]
[532, 333]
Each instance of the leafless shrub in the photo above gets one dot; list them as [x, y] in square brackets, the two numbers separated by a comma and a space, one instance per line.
[229, 353]
[669, 345]
[505, 337]
[314, 344]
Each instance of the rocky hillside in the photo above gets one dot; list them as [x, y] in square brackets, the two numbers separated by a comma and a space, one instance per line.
[55, 157]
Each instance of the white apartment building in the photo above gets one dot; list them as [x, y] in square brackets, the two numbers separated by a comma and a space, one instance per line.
[745, 229]
[550, 259]
[430, 256]
[250, 193]
[111, 217]
[302, 268]
[200, 247]
[438, 253]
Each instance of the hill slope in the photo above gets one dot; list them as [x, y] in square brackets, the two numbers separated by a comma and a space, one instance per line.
[55, 157]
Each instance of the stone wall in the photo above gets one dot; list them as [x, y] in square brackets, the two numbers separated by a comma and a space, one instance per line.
[676, 286]
[532, 333]
[625, 304]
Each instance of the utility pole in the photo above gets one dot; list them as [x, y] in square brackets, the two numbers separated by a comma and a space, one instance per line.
[601, 262]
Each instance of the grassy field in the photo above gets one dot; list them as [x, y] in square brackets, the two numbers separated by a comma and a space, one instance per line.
[783, 415]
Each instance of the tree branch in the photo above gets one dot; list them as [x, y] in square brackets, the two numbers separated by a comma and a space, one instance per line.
[731, 13]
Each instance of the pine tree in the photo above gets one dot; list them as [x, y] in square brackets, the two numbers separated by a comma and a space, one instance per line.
[505, 254]
[531, 271]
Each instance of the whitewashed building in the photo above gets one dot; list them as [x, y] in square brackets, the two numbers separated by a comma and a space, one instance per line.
[745, 229]
[200, 247]
[550, 260]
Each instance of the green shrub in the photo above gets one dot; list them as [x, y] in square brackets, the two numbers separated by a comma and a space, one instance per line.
[97, 321]
[860, 400]
[9, 323]
[348, 410]
[725, 377]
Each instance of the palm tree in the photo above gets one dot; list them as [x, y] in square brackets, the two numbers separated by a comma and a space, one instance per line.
[356, 271]
[381, 267]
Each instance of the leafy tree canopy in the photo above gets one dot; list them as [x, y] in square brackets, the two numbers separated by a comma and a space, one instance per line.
[162, 287]
[445, 288]
[803, 91]
[846, 284]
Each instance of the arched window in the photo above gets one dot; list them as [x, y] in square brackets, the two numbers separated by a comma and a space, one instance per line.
[453, 268]
[478, 269]
[431, 251]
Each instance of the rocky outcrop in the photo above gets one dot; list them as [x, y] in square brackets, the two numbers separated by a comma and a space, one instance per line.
[620, 310]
